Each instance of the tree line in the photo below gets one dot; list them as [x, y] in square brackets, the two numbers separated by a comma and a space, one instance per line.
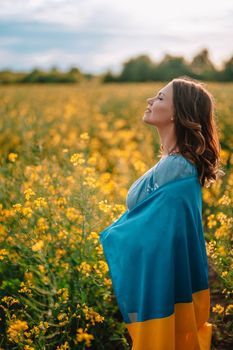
[73, 75]
[142, 68]
[137, 69]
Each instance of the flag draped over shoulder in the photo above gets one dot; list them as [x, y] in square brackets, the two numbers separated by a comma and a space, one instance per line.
[158, 265]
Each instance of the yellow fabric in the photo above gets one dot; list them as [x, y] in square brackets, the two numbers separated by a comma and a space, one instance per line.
[186, 329]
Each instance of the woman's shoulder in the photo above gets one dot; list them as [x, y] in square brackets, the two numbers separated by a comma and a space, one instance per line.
[175, 159]
[171, 167]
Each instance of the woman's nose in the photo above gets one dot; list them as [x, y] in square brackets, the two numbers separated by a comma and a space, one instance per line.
[149, 100]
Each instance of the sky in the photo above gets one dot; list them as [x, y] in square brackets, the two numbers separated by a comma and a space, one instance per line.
[98, 35]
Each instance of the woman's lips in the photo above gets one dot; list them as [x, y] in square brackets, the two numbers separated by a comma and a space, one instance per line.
[147, 110]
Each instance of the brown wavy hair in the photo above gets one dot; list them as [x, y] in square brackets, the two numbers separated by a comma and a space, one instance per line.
[196, 128]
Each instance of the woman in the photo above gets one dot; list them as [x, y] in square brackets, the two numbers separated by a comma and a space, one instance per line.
[183, 113]
[156, 250]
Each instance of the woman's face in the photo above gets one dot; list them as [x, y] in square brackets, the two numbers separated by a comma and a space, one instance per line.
[160, 108]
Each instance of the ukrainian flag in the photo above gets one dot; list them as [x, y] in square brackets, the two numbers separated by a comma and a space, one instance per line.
[158, 265]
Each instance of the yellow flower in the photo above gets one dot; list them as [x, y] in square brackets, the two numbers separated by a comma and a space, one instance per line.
[221, 217]
[24, 289]
[218, 309]
[3, 253]
[41, 268]
[12, 157]
[92, 315]
[72, 214]
[62, 234]
[107, 282]
[84, 136]
[224, 200]
[10, 300]
[104, 206]
[211, 222]
[92, 161]
[224, 273]
[38, 246]
[90, 181]
[17, 207]
[28, 193]
[207, 196]
[229, 309]
[43, 325]
[93, 236]
[224, 155]
[42, 224]
[28, 275]
[64, 346]
[85, 268]
[84, 336]
[77, 159]
[99, 250]
[45, 279]
[222, 251]
[27, 212]
[60, 202]
[40, 202]
[103, 268]
[221, 232]
[99, 318]
[15, 330]
[63, 318]
[63, 294]
[139, 166]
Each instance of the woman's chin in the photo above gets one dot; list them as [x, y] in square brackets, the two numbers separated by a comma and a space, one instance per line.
[146, 118]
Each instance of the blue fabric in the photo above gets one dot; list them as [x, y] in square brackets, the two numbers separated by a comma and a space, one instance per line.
[156, 251]
[168, 168]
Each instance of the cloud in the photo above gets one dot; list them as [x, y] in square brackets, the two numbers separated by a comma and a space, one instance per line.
[9, 41]
[99, 34]
[73, 14]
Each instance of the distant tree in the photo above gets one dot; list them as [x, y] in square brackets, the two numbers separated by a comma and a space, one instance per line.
[74, 70]
[54, 70]
[53, 76]
[226, 74]
[35, 76]
[171, 67]
[9, 77]
[137, 69]
[74, 75]
[109, 77]
[88, 76]
[202, 66]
